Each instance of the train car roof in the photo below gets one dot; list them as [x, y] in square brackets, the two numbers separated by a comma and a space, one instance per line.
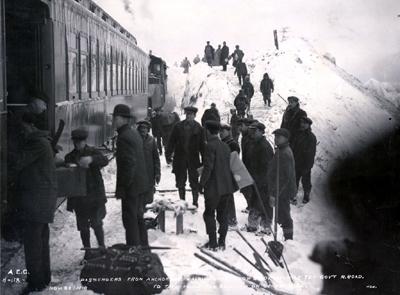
[156, 59]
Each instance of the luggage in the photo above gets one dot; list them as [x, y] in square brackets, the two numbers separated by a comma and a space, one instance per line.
[124, 270]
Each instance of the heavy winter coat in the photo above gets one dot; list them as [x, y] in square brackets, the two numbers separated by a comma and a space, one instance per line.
[241, 69]
[266, 86]
[233, 145]
[94, 181]
[260, 154]
[237, 56]
[211, 114]
[287, 175]
[291, 120]
[152, 158]
[217, 57]
[209, 51]
[248, 89]
[246, 143]
[217, 178]
[132, 179]
[36, 186]
[176, 146]
[304, 148]
[241, 102]
[224, 55]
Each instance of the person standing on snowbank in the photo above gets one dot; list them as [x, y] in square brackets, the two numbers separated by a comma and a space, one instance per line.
[287, 188]
[248, 89]
[241, 71]
[186, 144]
[237, 56]
[218, 184]
[224, 57]
[304, 149]
[132, 179]
[292, 116]
[185, 64]
[210, 114]
[209, 53]
[266, 88]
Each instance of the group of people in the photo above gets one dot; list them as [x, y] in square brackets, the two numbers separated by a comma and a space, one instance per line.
[188, 145]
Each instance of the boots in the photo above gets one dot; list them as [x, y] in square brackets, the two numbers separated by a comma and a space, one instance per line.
[195, 195]
[221, 242]
[212, 242]
[182, 193]
[98, 231]
[306, 197]
[85, 236]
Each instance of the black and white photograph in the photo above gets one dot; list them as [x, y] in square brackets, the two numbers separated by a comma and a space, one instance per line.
[200, 147]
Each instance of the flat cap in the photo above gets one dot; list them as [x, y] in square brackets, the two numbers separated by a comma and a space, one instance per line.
[190, 109]
[307, 119]
[79, 134]
[211, 124]
[257, 125]
[282, 131]
[144, 123]
[293, 98]
[122, 110]
[225, 126]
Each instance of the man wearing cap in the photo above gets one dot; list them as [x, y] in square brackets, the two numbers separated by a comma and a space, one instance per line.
[152, 158]
[248, 89]
[283, 162]
[210, 114]
[226, 137]
[266, 87]
[291, 117]
[132, 180]
[155, 121]
[186, 144]
[218, 184]
[304, 148]
[224, 56]
[36, 192]
[241, 103]
[90, 210]
[235, 125]
[260, 154]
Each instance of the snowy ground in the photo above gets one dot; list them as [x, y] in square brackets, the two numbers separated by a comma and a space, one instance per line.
[345, 117]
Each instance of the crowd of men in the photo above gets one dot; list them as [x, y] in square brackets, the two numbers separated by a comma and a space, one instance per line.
[192, 149]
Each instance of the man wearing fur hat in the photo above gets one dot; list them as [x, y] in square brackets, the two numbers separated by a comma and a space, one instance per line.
[304, 149]
[184, 148]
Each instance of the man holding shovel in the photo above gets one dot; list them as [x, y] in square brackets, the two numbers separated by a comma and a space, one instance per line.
[282, 182]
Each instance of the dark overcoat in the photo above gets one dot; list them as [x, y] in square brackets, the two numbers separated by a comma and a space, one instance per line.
[152, 158]
[217, 178]
[287, 179]
[94, 181]
[224, 54]
[36, 178]
[233, 145]
[132, 179]
[266, 86]
[211, 114]
[246, 143]
[248, 89]
[241, 103]
[260, 154]
[176, 147]
[304, 148]
[291, 120]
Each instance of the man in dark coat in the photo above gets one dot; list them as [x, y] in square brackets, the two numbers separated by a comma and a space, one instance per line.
[210, 114]
[260, 156]
[304, 148]
[36, 190]
[248, 89]
[241, 103]
[152, 158]
[186, 144]
[237, 56]
[226, 137]
[224, 56]
[266, 88]
[218, 183]
[291, 117]
[241, 71]
[287, 181]
[155, 121]
[132, 180]
[90, 210]
[234, 122]
[209, 53]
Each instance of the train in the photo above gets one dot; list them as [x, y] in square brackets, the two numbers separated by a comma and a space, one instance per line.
[80, 61]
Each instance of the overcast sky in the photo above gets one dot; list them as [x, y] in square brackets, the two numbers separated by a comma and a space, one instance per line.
[363, 35]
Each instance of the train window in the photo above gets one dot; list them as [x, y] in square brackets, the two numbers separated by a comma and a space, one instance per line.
[93, 66]
[72, 65]
[101, 67]
[84, 73]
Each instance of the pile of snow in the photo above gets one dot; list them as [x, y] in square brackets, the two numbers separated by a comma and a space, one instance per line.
[388, 91]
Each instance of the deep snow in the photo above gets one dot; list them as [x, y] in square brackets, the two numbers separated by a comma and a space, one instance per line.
[345, 117]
